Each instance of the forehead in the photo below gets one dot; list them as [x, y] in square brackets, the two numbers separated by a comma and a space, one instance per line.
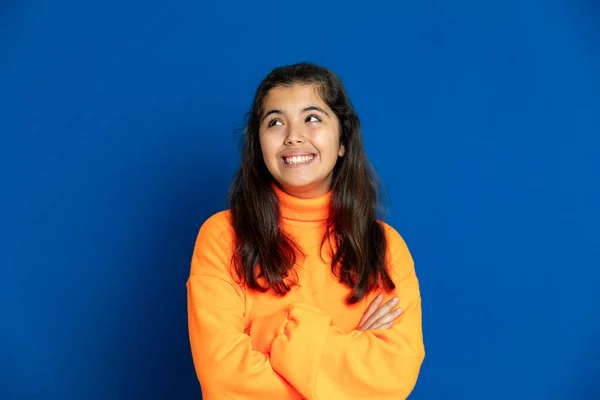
[293, 96]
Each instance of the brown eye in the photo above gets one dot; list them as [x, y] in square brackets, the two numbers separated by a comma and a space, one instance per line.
[273, 122]
[313, 118]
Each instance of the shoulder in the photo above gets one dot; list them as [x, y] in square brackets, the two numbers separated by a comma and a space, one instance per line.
[214, 245]
[400, 260]
[397, 247]
[217, 227]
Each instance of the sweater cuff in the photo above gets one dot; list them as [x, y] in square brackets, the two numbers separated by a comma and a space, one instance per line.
[296, 353]
[265, 329]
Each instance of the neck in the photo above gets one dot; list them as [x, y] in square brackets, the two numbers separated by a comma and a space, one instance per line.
[303, 209]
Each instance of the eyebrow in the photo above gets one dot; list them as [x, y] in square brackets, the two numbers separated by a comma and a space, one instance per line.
[309, 108]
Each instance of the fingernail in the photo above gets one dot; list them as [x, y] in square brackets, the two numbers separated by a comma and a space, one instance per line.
[379, 296]
[399, 311]
[395, 300]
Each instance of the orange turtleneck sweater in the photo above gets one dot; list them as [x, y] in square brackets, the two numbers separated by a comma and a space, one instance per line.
[251, 345]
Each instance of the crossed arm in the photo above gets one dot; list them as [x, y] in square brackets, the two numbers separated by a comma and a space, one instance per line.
[298, 352]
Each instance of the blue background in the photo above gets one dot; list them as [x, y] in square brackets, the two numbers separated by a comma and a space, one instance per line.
[118, 123]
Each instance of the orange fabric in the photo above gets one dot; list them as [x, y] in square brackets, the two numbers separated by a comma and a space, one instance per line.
[252, 345]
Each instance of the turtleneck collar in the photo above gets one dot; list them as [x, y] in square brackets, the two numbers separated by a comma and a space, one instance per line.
[298, 209]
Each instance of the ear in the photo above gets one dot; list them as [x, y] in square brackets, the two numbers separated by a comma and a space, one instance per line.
[342, 151]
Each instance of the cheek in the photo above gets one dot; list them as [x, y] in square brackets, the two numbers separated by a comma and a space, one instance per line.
[327, 143]
[268, 148]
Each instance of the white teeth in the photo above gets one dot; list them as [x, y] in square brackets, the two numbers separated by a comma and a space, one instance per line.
[298, 159]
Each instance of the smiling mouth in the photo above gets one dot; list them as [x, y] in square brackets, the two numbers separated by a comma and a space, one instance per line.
[298, 159]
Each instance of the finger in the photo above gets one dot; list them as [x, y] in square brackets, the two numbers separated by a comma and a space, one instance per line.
[385, 319]
[370, 310]
[383, 327]
[388, 318]
[383, 310]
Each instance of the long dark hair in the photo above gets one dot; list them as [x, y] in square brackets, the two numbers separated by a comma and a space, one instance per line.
[263, 252]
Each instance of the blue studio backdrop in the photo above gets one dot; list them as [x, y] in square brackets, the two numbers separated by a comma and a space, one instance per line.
[118, 125]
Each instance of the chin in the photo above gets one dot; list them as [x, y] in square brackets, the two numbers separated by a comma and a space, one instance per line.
[304, 186]
[296, 185]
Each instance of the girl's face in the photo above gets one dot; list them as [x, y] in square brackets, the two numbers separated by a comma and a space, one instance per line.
[300, 139]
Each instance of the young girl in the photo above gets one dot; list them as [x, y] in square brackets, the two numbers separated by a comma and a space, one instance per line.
[298, 291]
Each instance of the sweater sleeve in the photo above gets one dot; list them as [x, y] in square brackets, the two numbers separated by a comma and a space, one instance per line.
[324, 362]
[225, 363]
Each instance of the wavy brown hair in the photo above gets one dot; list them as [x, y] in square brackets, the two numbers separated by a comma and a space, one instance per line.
[263, 252]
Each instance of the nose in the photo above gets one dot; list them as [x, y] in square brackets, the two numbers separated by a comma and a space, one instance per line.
[294, 136]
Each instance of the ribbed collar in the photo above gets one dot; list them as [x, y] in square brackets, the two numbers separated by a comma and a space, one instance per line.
[298, 209]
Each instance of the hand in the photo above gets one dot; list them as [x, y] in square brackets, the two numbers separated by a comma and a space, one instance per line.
[265, 329]
[379, 318]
